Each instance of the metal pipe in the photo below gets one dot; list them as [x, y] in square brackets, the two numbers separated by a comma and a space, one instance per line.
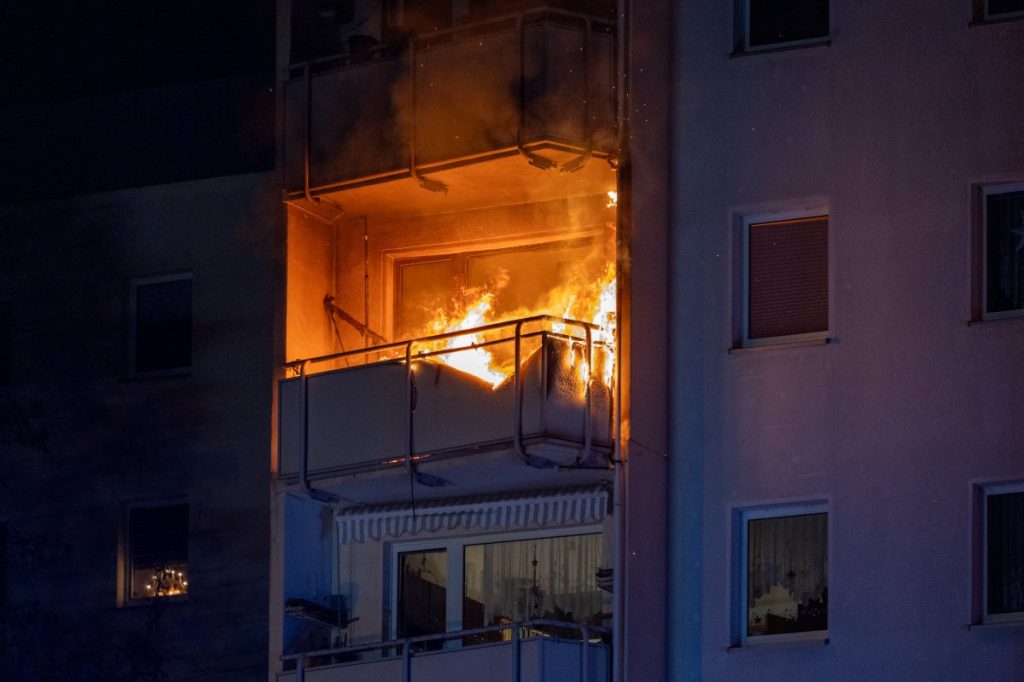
[407, 661]
[424, 182]
[584, 643]
[300, 668]
[410, 396]
[534, 159]
[516, 648]
[588, 397]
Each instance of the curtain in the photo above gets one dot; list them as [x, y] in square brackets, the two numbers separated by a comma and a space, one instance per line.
[543, 578]
[1005, 236]
[789, 551]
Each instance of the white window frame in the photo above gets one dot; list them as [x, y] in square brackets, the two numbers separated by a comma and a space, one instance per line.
[986, 192]
[988, 16]
[986, 492]
[818, 40]
[455, 557]
[742, 588]
[749, 220]
[133, 300]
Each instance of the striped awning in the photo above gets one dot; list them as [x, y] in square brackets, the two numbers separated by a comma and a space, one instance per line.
[502, 512]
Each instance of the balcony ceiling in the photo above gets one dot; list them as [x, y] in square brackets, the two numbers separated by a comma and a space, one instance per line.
[505, 178]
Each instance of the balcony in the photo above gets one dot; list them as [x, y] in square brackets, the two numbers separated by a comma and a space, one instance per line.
[363, 429]
[526, 654]
[534, 89]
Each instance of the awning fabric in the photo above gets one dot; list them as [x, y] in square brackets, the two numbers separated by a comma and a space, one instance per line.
[525, 510]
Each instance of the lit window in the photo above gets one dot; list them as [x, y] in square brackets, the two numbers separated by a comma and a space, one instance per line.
[1003, 555]
[1002, 236]
[157, 551]
[786, 287]
[784, 583]
[782, 23]
[161, 324]
[547, 577]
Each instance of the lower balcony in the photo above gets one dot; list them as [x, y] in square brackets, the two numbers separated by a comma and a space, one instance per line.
[529, 651]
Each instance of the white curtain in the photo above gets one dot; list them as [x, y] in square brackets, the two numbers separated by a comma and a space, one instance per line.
[790, 551]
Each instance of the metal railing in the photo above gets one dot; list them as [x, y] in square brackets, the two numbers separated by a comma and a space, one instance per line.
[407, 646]
[408, 358]
[518, 22]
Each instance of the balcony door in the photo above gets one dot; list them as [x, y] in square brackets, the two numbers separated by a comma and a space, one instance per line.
[422, 593]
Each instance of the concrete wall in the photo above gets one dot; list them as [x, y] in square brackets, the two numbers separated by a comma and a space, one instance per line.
[894, 420]
[79, 439]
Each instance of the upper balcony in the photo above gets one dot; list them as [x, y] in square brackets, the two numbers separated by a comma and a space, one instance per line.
[534, 89]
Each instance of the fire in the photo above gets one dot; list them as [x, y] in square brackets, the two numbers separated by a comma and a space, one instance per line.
[577, 299]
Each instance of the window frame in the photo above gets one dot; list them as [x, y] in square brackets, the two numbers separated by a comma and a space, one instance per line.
[987, 491]
[456, 559]
[981, 239]
[805, 337]
[742, 517]
[133, 287]
[743, 45]
[126, 563]
[982, 15]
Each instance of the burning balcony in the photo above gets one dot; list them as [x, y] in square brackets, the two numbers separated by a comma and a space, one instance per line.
[424, 403]
[537, 86]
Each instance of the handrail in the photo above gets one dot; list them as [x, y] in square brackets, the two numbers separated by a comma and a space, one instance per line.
[407, 644]
[395, 345]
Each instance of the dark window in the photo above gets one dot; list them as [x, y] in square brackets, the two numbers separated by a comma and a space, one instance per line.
[998, 8]
[5, 343]
[162, 324]
[1004, 555]
[787, 278]
[786, 574]
[1004, 249]
[422, 594]
[778, 22]
[157, 551]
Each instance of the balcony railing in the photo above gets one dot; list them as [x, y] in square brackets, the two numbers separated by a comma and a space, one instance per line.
[529, 652]
[517, 84]
[404, 407]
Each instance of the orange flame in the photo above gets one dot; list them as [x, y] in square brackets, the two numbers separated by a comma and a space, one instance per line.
[586, 301]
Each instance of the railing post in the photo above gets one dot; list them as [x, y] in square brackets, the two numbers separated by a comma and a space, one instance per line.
[516, 648]
[407, 661]
[300, 669]
[584, 657]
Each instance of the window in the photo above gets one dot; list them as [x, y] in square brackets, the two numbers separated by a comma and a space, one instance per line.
[157, 551]
[770, 24]
[521, 576]
[523, 276]
[786, 279]
[992, 10]
[1003, 554]
[5, 343]
[161, 324]
[1001, 235]
[783, 590]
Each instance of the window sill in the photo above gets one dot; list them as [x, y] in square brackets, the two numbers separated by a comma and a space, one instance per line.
[154, 601]
[779, 345]
[781, 47]
[1018, 316]
[996, 20]
[997, 625]
[810, 642]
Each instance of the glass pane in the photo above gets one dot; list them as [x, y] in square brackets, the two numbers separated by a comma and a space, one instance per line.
[552, 578]
[425, 287]
[785, 21]
[422, 592]
[1004, 234]
[996, 7]
[163, 325]
[1005, 558]
[787, 574]
[158, 547]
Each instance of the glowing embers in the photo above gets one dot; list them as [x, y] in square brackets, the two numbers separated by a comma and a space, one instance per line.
[488, 354]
